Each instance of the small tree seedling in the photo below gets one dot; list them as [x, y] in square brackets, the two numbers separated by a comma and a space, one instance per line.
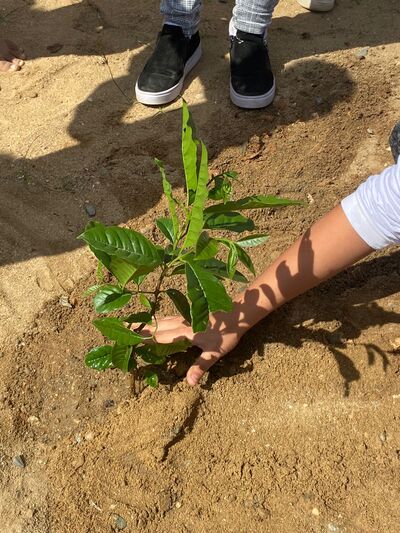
[192, 249]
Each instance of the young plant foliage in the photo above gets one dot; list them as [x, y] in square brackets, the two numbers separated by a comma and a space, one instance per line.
[193, 256]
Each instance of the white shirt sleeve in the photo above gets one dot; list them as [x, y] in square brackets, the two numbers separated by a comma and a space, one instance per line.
[374, 208]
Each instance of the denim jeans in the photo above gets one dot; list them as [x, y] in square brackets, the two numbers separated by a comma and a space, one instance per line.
[252, 16]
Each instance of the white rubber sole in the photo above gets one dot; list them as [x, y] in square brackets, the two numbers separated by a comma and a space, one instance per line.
[317, 5]
[164, 97]
[252, 102]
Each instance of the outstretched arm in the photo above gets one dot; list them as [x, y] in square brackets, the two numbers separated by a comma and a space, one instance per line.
[328, 247]
[366, 220]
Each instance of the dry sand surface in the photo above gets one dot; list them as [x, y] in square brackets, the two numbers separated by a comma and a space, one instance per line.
[298, 430]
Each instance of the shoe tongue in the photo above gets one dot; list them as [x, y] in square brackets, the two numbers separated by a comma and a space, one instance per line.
[170, 29]
[244, 36]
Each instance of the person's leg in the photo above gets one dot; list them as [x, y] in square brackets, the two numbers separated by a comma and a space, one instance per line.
[252, 83]
[177, 51]
[183, 13]
[253, 16]
[317, 5]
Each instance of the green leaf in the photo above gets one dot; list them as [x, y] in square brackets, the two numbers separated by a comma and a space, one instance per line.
[181, 303]
[99, 271]
[151, 378]
[139, 276]
[251, 202]
[124, 244]
[231, 174]
[252, 240]
[166, 227]
[178, 270]
[158, 351]
[109, 298]
[104, 259]
[140, 318]
[114, 329]
[206, 293]
[144, 301]
[189, 152]
[222, 189]
[219, 269]
[149, 356]
[121, 356]
[206, 247]
[196, 214]
[229, 221]
[91, 290]
[245, 259]
[243, 256]
[171, 201]
[99, 358]
[122, 270]
[232, 261]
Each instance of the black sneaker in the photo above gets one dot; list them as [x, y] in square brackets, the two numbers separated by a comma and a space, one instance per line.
[252, 81]
[162, 78]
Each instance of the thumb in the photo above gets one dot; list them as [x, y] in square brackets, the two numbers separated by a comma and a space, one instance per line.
[200, 366]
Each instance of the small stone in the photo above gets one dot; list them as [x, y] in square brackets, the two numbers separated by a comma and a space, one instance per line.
[78, 438]
[99, 28]
[108, 403]
[19, 461]
[33, 419]
[32, 94]
[333, 528]
[54, 48]
[64, 302]
[395, 343]
[73, 300]
[89, 436]
[394, 141]
[120, 523]
[310, 198]
[315, 512]
[78, 461]
[90, 210]
[362, 54]
[370, 131]
[178, 505]
[383, 436]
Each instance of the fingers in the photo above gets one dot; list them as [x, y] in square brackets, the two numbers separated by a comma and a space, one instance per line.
[201, 365]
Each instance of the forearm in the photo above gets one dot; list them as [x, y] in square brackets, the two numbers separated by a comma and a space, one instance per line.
[328, 247]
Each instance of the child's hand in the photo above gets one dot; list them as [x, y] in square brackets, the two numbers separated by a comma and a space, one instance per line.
[221, 336]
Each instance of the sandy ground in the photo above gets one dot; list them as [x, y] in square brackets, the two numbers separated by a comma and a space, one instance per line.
[299, 429]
